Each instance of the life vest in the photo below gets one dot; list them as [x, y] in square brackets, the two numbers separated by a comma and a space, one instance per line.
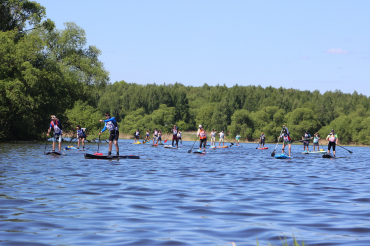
[174, 132]
[137, 133]
[315, 139]
[112, 126]
[286, 138]
[306, 135]
[202, 134]
[56, 127]
[332, 137]
[81, 133]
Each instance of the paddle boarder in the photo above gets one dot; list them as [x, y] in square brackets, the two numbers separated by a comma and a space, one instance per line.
[147, 134]
[316, 138]
[155, 135]
[202, 139]
[179, 137]
[222, 138]
[57, 128]
[174, 136]
[136, 134]
[81, 135]
[306, 140]
[237, 139]
[112, 126]
[213, 137]
[159, 137]
[286, 139]
[333, 140]
[262, 140]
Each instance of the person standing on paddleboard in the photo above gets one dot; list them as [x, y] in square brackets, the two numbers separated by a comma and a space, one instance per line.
[237, 139]
[316, 139]
[57, 128]
[174, 136]
[81, 135]
[159, 137]
[333, 140]
[213, 137]
[179, 137]
[262, 140]
[306, 140]
[147, 135]
[286, 139]
[202, 139]
[112, 126]
[155, 135]
[222, 138]
[136, 134]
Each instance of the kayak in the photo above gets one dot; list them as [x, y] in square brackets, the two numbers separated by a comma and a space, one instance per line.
[283, 156]
[107, 157]
[53, 153]
[222, 147]
[314, 152]
[263, 148]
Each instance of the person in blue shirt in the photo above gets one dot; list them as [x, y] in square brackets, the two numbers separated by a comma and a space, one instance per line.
[112, 126]
[57, 128]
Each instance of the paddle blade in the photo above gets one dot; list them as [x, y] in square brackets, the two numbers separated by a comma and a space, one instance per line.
[273, 153]
[98, 153]
[165, 141]
[189, 151]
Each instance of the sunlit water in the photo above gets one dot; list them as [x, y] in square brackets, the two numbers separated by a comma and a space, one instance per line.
[172, 197]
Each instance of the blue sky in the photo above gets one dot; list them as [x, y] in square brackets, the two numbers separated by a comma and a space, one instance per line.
[305, 45]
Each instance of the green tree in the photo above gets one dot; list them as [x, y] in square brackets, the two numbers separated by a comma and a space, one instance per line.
[242, 124]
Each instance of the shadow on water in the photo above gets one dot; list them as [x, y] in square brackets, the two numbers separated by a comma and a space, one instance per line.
[172, 197]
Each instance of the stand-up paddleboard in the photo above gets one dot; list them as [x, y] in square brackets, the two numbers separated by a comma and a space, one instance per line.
[168, 146]
[222, 147]
[314, 152]
[263, 148]
[328, 156]
[160, 144]
[212, 147]
[283, 156]
[137, 143]
[53, 153]
[154, 145]
[107, 157]
[199, 152]
[69, 147]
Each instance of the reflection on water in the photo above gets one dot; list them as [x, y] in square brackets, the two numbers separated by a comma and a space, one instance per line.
[171, 197]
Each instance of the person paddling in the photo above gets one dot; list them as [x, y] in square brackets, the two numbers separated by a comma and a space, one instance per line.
[333, 140]
[57, 128]
[213, 137]
[316, 139]
[112, 126]
[81, 135]
[222, 138]
[202, 139]
[137, 135]
[237, 137]
[147, 136]
[155, 135]
[159, 137]
[306, 140]
[174, 136]
[262, 140]
[286, 139]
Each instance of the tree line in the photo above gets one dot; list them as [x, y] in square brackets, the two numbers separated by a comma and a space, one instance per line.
[45, 71]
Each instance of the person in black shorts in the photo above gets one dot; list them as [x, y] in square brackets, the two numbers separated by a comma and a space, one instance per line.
[112, 126]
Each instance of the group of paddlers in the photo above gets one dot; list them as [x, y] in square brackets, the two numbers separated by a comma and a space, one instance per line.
[110, 123]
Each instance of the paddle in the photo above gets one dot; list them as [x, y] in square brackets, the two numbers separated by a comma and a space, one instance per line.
[97, 153]
[273, 152]
[45, 145]
[345, 149]
[192, 146]
[258, 144]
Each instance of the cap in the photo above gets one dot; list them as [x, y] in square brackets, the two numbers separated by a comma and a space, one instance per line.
[306, 131]
[332, 130]
[200, 126]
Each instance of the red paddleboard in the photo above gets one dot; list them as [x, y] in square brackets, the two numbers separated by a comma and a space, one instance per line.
[98, 153]
[263, 148]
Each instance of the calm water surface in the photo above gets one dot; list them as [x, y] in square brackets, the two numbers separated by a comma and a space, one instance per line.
[171, 197]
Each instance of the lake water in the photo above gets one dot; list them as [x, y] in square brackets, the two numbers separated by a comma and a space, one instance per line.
[172, 197]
